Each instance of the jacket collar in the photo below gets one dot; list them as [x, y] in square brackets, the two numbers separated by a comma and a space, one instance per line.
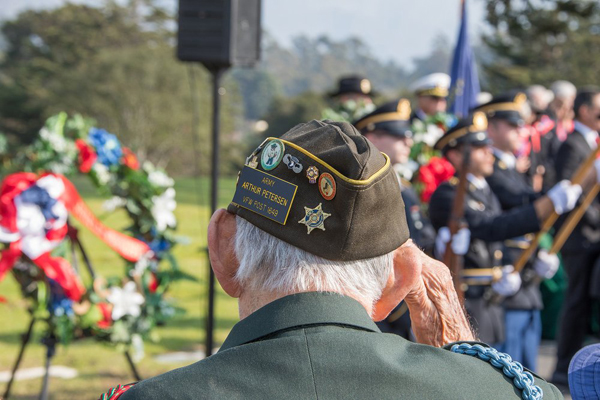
[297, 311]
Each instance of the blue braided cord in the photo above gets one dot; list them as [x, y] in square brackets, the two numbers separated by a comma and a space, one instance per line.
[523, 380]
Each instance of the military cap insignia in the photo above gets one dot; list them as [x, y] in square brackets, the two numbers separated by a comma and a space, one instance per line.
[327, 186]
[404, 109]
[365, 86]
[254, 162]
[292, 163]
[314, 218]
[520, 98]
[312, 173]
[479, 121]
[272, 154]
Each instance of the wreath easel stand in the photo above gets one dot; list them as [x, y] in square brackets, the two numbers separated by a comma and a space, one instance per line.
[51, 341]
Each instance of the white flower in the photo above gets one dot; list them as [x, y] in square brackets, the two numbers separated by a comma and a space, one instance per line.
[56, 141]
[432, 135]
[125, 301]
[162, 210]
[160, 179]
[142, 264]
[114, 203]
[102, 173]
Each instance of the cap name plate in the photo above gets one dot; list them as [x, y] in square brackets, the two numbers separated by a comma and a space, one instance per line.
[264, 194]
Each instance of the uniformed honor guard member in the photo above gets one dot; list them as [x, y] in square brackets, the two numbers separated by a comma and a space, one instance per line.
[388, 128]
[314, 258]
[431, 92]
[484, 273]
[522, 310]
[504, 121]
[581, 252]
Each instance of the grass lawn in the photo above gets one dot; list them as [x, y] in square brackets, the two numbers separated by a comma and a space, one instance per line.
[101, 366]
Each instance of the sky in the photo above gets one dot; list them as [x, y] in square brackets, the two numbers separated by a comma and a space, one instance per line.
[398, 30]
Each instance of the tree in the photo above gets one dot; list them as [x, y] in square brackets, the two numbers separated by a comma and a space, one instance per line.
[542, 41]
[116, 65]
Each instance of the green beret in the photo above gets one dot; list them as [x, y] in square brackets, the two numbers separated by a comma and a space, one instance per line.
[325, 189]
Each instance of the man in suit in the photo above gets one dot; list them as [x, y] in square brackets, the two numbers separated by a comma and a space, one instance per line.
[312, 270]
[488, 223]
[582, 249]
[388, 128]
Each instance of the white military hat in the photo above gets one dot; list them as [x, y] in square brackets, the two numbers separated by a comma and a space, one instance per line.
[432, 85]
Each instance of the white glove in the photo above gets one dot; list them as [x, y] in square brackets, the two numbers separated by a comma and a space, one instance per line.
[564, 196]
[546, 264]
[460, 241]
[509, 284]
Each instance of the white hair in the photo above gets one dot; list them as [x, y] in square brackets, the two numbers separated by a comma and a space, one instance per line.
[271, 265]
[563, 89]
[539, 96]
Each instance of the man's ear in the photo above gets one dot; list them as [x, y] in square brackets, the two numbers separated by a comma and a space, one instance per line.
[221, 250]
[402, 279]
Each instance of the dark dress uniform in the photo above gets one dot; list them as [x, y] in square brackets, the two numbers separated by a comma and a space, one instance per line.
[580, 252]
[488, 223]
[510, 186]
[489, 227]
[522, 311]
[394, 119]
[325, 346]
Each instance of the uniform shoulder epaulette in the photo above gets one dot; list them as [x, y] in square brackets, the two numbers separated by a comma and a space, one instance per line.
[116, 392]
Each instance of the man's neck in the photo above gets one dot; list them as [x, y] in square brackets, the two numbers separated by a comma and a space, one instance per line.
[250, 301]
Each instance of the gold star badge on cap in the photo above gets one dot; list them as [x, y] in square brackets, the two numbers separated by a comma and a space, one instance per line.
[314, 218]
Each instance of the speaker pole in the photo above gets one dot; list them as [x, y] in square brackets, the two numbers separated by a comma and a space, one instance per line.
[217, 73]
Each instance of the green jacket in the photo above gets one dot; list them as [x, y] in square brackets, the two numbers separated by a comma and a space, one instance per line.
[325, 346]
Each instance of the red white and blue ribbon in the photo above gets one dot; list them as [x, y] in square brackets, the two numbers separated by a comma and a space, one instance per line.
[33, 221]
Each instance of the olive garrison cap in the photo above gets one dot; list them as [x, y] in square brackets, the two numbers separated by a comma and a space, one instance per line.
[392, 118]
[347, 205]
[506, 107]
[471, 129]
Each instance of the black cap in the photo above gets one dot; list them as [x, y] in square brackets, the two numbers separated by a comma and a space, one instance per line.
[324, 188]
[507, 107]
[353, 84]
[471, 129]
[392, 117]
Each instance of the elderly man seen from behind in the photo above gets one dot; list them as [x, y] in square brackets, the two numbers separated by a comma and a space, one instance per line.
[315, 246]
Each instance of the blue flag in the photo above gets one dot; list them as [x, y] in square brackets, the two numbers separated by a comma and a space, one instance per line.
[465, 82]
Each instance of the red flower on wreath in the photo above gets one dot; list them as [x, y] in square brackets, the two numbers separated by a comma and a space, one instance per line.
[129, 159]
[106, 321]
[432, 174]
[87, 156]
[152, 283]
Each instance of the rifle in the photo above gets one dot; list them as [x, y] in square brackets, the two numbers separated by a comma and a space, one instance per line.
[547, 224]
[456, 221]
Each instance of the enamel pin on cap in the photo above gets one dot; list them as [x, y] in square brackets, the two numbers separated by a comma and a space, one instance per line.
[327, 186]
[272, 154]
[314, 218]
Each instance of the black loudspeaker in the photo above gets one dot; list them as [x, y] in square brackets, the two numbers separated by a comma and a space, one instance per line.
[219, 33]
